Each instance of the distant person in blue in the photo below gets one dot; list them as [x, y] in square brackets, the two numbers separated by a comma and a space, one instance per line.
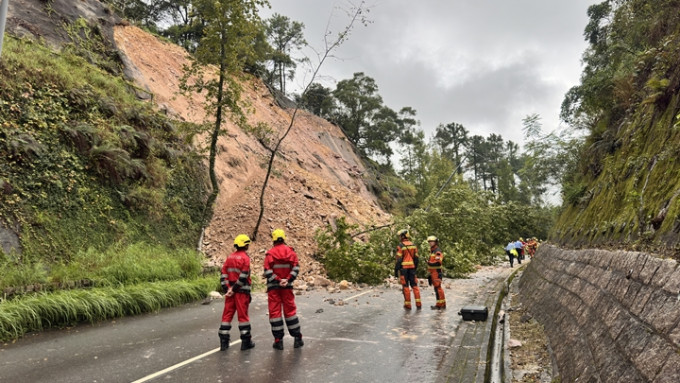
[519, 246]
[511, 252]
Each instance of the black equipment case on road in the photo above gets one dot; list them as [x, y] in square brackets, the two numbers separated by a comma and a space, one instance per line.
[476, 313]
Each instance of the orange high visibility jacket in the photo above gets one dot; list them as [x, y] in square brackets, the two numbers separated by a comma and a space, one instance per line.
[407, 255]
[436, 259]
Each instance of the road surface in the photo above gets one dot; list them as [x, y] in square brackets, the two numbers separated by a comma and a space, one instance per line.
[367, 338]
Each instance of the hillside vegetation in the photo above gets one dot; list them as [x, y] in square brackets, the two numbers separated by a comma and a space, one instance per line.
[624, 190]
[85, 166]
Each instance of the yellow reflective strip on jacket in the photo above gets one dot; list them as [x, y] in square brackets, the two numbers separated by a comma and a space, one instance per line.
[408, 253]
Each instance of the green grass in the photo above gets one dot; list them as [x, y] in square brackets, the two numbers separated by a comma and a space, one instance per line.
[119, 265]
[65, 308]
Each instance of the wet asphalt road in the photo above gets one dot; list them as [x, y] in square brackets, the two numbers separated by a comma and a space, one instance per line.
[370, 338]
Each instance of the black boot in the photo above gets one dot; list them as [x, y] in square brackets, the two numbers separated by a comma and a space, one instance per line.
[298, 342]
[278, 344]
[246, 343]
[224, 341]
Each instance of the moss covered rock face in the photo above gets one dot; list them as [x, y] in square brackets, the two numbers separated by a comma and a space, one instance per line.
[625, 188]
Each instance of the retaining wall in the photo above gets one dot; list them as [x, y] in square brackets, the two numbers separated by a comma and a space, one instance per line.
[610, 316]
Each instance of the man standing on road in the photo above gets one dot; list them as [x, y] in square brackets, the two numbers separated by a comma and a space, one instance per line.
[407, 264]
[434, 267]
[281, 267]
[235, 281]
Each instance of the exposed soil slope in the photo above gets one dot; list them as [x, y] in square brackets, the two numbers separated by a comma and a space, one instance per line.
[316, 178]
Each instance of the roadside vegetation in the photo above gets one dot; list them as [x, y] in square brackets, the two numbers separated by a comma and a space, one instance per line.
[66, 308]
[623, 189]
[106, 192]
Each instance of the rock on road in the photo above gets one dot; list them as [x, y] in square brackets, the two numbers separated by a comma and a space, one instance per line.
[367, 338]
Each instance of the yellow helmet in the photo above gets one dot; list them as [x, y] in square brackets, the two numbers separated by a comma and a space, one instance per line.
[242, 240]
[432, 238]
[278, 234]
[404, 233]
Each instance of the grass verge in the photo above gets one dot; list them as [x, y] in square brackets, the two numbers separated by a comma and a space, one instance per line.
[118, 265]
[48, 310]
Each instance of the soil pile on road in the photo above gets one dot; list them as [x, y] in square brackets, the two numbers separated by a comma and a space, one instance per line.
[316, 178]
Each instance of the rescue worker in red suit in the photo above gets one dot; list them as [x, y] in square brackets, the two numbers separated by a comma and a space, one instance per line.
[235, 281]
[434, 267]
[281, 267]
[405, 269]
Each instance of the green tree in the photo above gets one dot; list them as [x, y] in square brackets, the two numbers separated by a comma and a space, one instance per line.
[284, 35]
[546, 160]
[494, 156]
[476, 155]
[368, 123]
[186, 28]
[227, 43]
[358, 102]
[145, 12]
[319, 100]
[414, 151]
[452, 138]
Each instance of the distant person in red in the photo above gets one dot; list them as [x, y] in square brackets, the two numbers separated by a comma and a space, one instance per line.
[281, 267]
[235, 281]
[405, 269]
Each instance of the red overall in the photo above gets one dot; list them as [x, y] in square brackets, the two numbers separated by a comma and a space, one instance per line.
[236, 274]
[281, 263]
[434, 267]
[407, 262]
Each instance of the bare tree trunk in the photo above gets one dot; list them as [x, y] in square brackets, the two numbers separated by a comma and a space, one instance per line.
[209, 204]
[356, 15]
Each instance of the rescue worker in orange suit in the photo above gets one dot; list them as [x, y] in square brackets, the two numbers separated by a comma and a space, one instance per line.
[235, 281]
[434, 267]
[281, 267]
[531, 246]
[405, 269]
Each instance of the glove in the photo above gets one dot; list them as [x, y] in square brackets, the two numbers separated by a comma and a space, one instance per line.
[396, 273]
[429, 280]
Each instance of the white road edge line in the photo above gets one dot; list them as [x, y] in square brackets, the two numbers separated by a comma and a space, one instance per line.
[178, 365]
[358, 295]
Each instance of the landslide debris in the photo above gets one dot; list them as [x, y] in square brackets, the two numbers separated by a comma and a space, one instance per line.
[317, 176]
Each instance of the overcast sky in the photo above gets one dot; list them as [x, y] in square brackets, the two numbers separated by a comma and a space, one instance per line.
[485, 64]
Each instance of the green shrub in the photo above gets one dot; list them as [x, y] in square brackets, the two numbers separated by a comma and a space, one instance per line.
[13, 274]
[85, 164]
[347, 259]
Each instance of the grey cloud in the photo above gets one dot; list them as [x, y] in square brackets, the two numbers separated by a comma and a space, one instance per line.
[483, 63]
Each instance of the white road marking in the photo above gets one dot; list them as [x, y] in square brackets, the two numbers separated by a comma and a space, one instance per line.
[358, 295]
[178, 365]
[352, 340]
